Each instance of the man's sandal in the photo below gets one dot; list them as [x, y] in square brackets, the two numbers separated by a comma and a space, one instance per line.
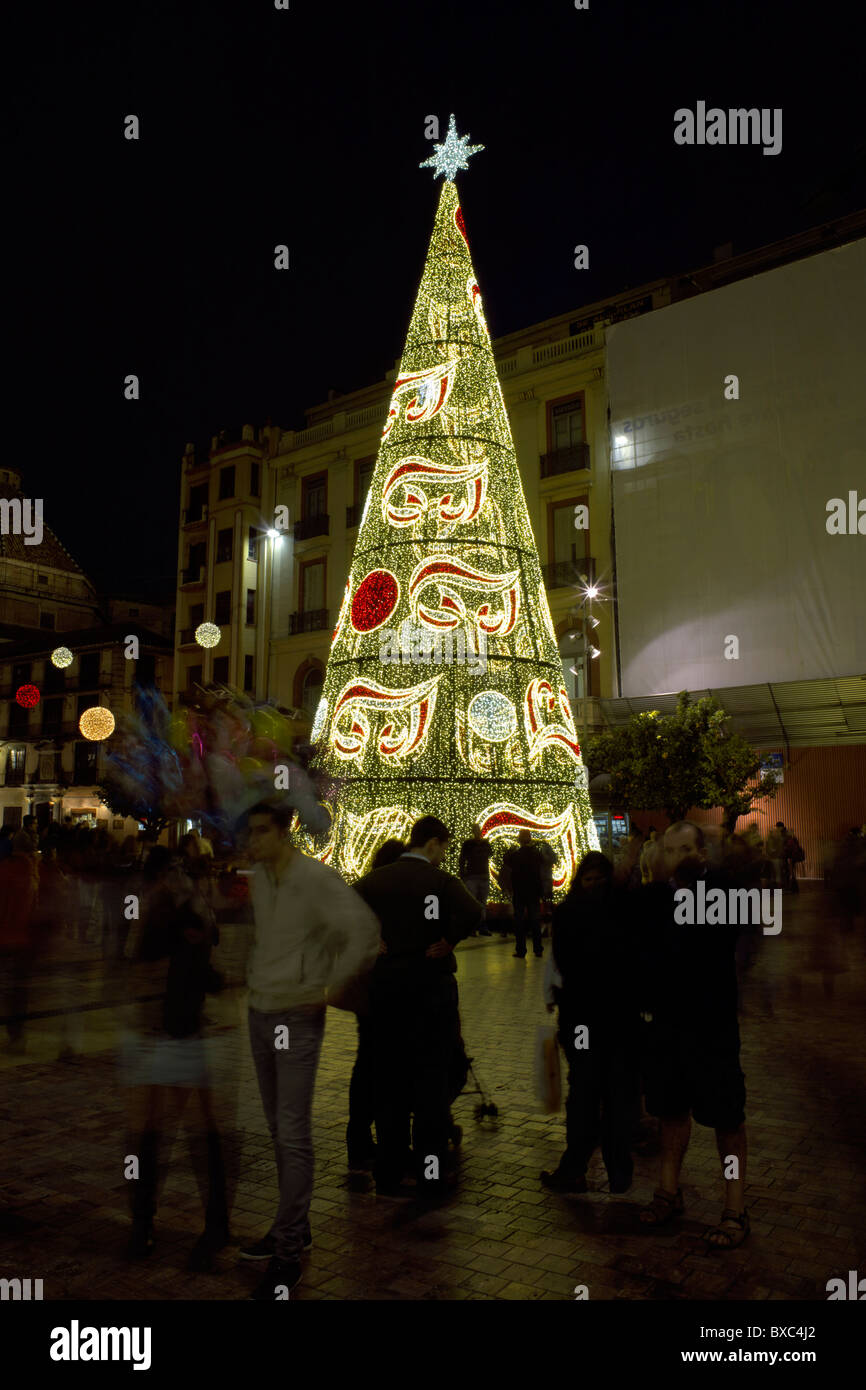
[719, 1238]
[664, 1207]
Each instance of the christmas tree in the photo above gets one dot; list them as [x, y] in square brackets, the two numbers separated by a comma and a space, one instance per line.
[444, 689]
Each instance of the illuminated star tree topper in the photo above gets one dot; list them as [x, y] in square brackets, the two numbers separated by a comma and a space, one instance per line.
[451, 155]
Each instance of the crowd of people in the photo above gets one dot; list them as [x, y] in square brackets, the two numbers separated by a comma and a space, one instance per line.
[647, 1009]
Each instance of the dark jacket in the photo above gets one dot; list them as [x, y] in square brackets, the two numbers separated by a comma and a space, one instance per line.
[688, 974]
[475, 859]
[526, 869]
[400, 894]
[594, 951]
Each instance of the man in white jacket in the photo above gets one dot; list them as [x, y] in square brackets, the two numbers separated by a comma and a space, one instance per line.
[313, 935]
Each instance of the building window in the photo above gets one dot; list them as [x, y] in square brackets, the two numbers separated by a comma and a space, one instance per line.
[145, 669]
[227, 483]
[46, 620]
[567, 542]
[12, 816]
[55, 681]
[311, 692]
[255, 479]
[197, 559]
[133, 612]
[19, 721]
[249, 679]
[251, 607]
[312, 586]
[224, 545]
[21, 673]
[196, 615]
[43, 579]
[88, 671]
[252, 543]
[52, 717]
[197, 502]
[223, 608]
[84, 774]
[566, 424]
[221, 670]
[193, 676]
[15, 763]
[314, 496]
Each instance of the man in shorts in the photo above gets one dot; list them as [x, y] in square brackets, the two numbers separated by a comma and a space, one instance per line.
[691, 1049]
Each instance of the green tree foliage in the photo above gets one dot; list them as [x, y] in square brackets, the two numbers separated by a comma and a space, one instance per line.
[675, 761]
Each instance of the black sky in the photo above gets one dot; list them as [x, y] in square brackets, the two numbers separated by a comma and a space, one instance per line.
[260, 127]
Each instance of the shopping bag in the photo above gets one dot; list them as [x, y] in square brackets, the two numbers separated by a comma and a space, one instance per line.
[548, 1080]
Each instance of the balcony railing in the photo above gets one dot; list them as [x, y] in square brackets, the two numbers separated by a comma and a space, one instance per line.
[314, 621]
[194, 574]
[563, 574]
[192, 516]
[564, 460]
[310, 526]
[15, 777]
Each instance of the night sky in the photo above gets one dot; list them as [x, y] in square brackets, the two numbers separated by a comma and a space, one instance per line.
[260, 127]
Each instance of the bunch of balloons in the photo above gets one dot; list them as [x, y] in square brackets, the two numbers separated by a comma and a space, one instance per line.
[212, 761]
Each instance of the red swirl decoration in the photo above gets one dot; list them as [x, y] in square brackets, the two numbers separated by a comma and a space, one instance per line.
[539, 703]
[460, 224]
[447, 573]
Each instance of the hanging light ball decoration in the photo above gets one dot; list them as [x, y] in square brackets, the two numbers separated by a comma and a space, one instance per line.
[97, 723]
[61, 657]
[27, 696]
[207, 635]
[492, 716]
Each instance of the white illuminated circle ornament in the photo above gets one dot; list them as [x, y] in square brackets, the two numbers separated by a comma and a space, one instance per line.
[492, 716]
[207, 635]
[61, 657]
[97, 723]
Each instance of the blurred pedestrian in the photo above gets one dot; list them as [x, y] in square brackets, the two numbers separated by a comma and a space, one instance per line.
[423, 912]
[313, 936]
[474, 872]
[19, 888]
[524, 866]
[591, 976]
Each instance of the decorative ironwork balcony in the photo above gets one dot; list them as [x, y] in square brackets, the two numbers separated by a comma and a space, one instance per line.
[565, 574]
[310, 526]
[569, 460]
[314, 621]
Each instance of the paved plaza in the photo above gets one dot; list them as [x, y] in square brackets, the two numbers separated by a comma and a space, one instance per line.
[64, 1205]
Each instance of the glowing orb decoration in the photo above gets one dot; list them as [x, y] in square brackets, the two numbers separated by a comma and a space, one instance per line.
[97, 723]
[320, 720]
[492, 716]
[207, 635]
[27, 696]
[61, 657]
[375, 600]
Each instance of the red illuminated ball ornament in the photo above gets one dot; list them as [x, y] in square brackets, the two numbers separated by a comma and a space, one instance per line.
[27, 696]
[375, 600]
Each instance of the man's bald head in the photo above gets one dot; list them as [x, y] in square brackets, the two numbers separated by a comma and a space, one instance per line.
[685, 849]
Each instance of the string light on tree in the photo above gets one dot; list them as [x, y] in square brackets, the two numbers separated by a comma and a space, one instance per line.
[97, 723]
[61, 657]
[208, 635]
[445, 550]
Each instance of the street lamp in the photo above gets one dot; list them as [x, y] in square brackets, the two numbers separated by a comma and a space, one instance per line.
[589, 592]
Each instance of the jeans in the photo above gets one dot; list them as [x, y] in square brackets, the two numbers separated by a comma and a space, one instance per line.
[479, 886]
[527, 921]
[286, 1080]
[602, 1104]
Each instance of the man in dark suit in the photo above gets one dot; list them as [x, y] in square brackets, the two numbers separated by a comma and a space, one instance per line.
[423, 913]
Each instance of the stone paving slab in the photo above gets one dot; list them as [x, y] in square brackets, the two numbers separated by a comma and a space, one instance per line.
[501, 1236]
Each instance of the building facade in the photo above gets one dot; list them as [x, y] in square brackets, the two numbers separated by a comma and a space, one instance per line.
[47, 768]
